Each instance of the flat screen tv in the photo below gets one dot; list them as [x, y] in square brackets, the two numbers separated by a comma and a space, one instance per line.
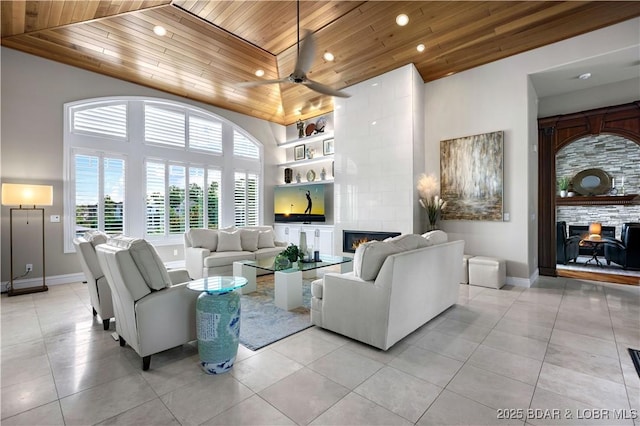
[299, 203]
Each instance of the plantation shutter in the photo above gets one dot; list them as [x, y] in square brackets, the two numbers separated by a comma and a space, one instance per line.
[87, 191]
[164, 126]
[243, 147]
[177, 199]
[205, 134]
[155, 223]
[214, 182]
[113, 177]
[252, 200]
[239, 200]
[196, 197]
[107, 120]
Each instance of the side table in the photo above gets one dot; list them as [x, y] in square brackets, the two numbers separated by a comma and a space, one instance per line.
[217, 321]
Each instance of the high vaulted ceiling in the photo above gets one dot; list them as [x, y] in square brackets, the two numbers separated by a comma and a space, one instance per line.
[211, 46]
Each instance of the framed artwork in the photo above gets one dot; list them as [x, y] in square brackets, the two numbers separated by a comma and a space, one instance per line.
[327, 147]
[299, 152]
[471, 177]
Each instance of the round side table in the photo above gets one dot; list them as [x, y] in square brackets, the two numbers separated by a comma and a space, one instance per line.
[217, 321]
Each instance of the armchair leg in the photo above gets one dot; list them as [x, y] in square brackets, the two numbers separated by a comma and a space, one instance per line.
[121, 340]
[94, 311]
[105, 324]
[146, 362]
[608, 262]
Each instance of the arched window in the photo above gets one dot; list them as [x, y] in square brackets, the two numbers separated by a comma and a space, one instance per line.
[153, 168]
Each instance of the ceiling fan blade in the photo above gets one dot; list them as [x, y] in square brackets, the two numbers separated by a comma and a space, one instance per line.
[326, 90]
[305, 55]
[261, 82]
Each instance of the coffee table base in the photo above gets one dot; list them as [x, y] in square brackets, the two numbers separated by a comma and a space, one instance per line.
[288, 290]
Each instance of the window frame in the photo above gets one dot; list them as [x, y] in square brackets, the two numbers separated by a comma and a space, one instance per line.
[137, 152]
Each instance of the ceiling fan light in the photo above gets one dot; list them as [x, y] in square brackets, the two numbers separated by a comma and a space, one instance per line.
[159, 30]
[420, 47]
[259, 73]
[328, 56]
[585, 76]
[402, 19]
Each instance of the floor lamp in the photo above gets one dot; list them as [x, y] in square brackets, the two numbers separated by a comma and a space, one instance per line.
[26, 197]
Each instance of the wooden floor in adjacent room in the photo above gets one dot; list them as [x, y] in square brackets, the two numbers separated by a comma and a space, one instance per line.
[607, 273]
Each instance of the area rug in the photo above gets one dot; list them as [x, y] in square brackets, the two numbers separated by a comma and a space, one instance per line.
[635, 357]
[263, 323]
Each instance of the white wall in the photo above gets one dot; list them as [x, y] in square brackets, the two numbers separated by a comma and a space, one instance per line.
[499, 96]
[33, 93]
[377, 146]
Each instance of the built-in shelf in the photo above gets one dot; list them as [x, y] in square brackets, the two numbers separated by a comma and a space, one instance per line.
[309, 139]
[308, 161]
[599, 200]
[313, 182]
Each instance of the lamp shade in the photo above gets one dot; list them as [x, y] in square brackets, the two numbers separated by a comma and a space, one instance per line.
[595, 229]
[17, 194]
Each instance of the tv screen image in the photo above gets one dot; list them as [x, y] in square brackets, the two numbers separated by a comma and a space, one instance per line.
[299, 203]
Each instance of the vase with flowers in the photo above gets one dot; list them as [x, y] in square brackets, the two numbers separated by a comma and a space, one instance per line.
[428, 191]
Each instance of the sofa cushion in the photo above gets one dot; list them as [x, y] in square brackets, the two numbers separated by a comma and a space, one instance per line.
[408, 242]
[263, 253]
[435, 237]
[249, 239]
[226, 258]
[147, 260]
[96, 237]
[229, 241]
[204, 238]
[316, 288]
[266, 239]
[370, 256]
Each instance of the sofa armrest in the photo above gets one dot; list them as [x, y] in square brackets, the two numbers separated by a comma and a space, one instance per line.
[178, 276]
[168, 315]
[194, 260]
[281, 243]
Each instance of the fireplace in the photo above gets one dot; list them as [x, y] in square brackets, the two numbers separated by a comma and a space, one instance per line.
[352, 239]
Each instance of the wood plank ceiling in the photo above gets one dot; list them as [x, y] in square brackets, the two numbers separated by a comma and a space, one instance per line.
[211, 46]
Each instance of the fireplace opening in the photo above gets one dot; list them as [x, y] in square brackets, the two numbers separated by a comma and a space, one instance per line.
[352, 239]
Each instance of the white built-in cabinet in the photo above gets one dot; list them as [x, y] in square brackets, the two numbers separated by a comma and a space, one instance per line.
[318, 236]
[309, 169]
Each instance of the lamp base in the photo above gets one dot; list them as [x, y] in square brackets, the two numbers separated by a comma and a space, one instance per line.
[27, 290]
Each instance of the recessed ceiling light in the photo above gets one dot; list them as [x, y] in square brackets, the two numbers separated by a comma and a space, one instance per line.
[259, 73]
[420, 47]
[402, 19]
[159, 30]
[373, 123]
[328, 56]
[585, 76]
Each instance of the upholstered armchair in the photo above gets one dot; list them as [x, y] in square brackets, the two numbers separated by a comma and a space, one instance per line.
[626, 251]
[567, 248]
[154, 309]
[99, 291]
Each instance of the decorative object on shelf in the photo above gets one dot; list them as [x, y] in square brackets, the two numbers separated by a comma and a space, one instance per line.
[622, 186]
[288, 175]
[323, 174]
[299, 152]
[298, 177]
[320, 124]
[591, 182]
[310, 153]
[300, 126]
[310, 129]
[613, 190]
[327, 146]
[333, 169]
[311, 175]
[563, 185]
[571, 193]
[428, 189]
[473, 192]
[302, 245]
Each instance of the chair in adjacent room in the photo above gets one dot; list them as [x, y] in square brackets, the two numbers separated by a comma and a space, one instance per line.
[154, 309]
[567, 248]
[626, 251]
[99, 291]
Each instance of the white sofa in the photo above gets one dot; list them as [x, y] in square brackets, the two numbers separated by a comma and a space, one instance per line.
[396, 286]
[211, 252]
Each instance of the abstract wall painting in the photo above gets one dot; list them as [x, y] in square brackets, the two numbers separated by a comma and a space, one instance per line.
[471, 177]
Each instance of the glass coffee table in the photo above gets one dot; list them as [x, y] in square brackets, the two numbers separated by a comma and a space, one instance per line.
[288, 280]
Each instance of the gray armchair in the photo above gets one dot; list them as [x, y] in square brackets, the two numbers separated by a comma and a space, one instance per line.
[154, 309]
[99, 291]
[626, 251]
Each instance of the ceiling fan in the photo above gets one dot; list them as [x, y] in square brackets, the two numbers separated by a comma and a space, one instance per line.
[306, 52]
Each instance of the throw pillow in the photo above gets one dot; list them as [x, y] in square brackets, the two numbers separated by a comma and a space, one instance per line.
[436, 237]
[249, 239]
[369, 258]
[204, 238]
[266, 239]
[229, 241]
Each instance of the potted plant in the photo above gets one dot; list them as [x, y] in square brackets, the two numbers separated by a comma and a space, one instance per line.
[292, 253]
[563, 185]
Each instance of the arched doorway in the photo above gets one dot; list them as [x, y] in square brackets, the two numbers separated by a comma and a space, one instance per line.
[554, 133]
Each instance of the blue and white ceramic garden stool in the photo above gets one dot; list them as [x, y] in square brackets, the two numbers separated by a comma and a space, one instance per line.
[218, 321]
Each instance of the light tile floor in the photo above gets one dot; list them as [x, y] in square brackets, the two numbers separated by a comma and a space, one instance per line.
[558, 349]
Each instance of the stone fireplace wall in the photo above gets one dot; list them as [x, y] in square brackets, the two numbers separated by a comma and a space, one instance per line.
[615, 155]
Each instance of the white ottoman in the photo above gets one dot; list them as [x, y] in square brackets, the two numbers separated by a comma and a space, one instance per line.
[465, 269]
[487, 271]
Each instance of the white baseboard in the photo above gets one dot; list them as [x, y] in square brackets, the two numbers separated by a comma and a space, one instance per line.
[52, 280]
[523, 282]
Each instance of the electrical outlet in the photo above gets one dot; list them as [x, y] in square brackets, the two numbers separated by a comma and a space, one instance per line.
[29, 267]
[175, 252]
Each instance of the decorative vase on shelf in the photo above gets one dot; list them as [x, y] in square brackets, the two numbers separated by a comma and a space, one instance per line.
[300, 126]
[288, 175]
[323, 174]
[563, 193]
[298, 177]
[571, 194]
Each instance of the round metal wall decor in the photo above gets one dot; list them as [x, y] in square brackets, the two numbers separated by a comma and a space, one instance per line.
[592, 182]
